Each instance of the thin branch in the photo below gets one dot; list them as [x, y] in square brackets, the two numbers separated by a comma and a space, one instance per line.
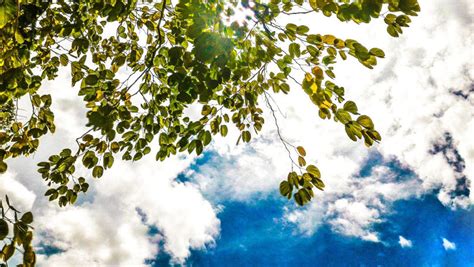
[284, 142]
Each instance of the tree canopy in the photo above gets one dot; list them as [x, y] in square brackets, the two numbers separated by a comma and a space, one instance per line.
[139, 66]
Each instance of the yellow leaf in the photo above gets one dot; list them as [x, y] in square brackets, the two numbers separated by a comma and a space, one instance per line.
[328, 39]
[7, 12]
[301, 151]
[19, 37]
[318, 72]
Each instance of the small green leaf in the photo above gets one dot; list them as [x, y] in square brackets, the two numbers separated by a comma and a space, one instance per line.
[298, 198]
[3, 229]
[206, 138]
[343, 116]
[365, 121]
[19, 37]
[224, 130]
[377, 52]
[392, 31]
[351, 107]
[350, 133]
[285, 188]
[291, 27]
[63, 59]
[301, 161]
[3, 167]
[302, 29]
[293, 179]
[7, 12]
[318, 183]
[98, 171]
[330, 74]
[27, 218]
[91, 79]
[314, 171]
[246, 136]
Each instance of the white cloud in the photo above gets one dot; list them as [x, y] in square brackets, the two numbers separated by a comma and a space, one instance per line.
[110, 230]
[404, 243]
[353, 219]
[18, 194]
[448, 245]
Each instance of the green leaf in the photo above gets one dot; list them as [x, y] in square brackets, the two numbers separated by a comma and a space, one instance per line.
[108, 160]
[293, 179]
[3, 167]
[285, 188]
[98, 171]
[377, 52]
[301, 161]
[390, 18]
[291, 27]
[343, 116]
[199, 147]
[350, 133]
[206, 138]
[351, 107]
[7, 12]
[224, 130]
[314, 171]
[19, 37]
[298, 198]
[91, 79]
[365, 121]
[27, 218]
[3, 229]
[331, 74]
[392, 31]
[246, 136]
[302, 29]
[318, 183]
[63, 59]
[374, 135]
[294, 49]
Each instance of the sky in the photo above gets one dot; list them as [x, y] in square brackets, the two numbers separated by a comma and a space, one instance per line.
[407, 201]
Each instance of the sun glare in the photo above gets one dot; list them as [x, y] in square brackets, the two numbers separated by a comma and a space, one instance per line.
[241, 15]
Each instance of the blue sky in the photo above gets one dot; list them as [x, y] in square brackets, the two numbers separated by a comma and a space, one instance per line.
[254, 234]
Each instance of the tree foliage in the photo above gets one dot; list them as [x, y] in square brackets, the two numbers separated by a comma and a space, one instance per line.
[175, 54]
[16, 234]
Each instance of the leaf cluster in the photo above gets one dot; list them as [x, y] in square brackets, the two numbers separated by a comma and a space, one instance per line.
[16, 234]
[175, 55]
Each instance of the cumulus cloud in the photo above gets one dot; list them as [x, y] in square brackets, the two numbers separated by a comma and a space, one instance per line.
[448, 245]
[354, 214]
[404, 243]
[19, 195]
[113, 228]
